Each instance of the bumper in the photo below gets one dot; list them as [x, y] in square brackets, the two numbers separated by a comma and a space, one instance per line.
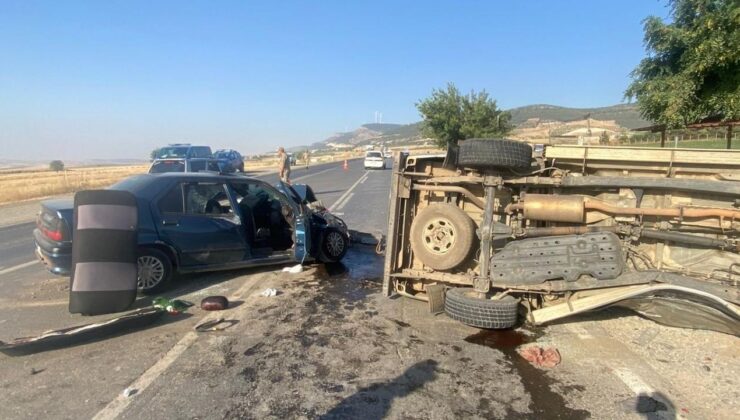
[374, 164]
[56, 256]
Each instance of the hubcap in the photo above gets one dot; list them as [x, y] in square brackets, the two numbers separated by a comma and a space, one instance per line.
[439, 236]
[334, 244]
[151, 272]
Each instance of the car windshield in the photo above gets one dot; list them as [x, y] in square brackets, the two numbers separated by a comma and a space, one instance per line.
[172, 152]
[221, 154]
[374, 154]
[290, 192]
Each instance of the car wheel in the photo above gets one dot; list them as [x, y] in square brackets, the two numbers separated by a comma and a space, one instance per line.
[334, 245]
[494, 153]
[463, 304]
[154, 271]
[442, 236]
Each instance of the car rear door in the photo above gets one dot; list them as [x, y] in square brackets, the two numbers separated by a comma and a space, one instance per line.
[197, 218]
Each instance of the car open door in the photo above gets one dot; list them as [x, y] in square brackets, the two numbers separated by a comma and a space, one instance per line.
[198, 219]
[302, 223]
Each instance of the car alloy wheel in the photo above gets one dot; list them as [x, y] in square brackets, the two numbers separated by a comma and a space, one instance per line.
[151, 272]
[335, 244]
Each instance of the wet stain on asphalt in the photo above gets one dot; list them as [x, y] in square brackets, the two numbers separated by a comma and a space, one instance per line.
[546, 403]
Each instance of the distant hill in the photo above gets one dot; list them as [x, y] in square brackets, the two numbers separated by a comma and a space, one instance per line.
[626, 115]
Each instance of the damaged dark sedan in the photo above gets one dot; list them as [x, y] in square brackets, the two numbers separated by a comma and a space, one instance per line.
[194, 222]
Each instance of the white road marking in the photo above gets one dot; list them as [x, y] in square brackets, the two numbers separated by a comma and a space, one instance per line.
[313, 174]
[348, 192]
[119, 404]
[18, 267]
[346, 200]
[633, 382]
[15, 304]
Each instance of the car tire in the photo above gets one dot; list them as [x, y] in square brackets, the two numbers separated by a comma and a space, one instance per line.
[333, 246]
[154, 271]
[442, 236]
[461, 304]
[494, 153]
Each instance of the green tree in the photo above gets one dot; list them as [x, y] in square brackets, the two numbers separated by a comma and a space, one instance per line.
[450, 116]
[692, 70]
[604, 138]
[56, 165]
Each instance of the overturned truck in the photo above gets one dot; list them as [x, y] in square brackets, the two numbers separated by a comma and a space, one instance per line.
[489, 232]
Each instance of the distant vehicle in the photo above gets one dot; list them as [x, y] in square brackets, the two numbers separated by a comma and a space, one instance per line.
[229, 160]
[374, 160]
[182, 157]
[291, 158]
[388, 154]
[207, 222]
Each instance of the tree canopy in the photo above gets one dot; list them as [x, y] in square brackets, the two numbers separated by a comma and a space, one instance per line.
[56, 165]
[692, 70]
[450, 116]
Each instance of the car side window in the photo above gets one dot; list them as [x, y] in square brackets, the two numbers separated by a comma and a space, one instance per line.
[200, 152]
[208, 199]
[172, 202]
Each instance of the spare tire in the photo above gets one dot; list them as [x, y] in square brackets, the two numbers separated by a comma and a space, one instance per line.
[442, 236]
[494, 153]
[462, 304]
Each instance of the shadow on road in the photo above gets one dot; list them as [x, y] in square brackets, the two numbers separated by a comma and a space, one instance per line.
[374, 401]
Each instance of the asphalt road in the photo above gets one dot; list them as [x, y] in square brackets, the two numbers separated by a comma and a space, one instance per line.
[330, 345]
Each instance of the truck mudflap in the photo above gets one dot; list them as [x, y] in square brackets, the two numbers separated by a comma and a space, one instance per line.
[668, 304]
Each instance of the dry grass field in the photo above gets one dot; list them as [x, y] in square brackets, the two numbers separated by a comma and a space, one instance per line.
[18, 185]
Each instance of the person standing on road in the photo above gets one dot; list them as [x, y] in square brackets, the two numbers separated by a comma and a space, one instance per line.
[283, 165]
[307, 157]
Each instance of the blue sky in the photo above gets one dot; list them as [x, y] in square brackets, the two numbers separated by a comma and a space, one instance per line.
[107, 79]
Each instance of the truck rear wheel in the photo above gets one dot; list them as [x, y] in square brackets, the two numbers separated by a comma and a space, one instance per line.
[462, 304]
[494, 153]
[442, 236]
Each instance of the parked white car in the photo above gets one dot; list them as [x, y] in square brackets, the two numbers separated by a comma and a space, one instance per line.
[374, 160]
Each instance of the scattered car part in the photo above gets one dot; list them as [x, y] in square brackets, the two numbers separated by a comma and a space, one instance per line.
[442, 236]
[269, 292]
[214, 303]
[543, 357]
[81, 333]
[104, 253]
[494, 153]
[219, 324]
[463, 304]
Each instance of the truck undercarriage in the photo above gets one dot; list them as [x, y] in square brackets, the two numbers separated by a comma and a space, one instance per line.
[489, 231]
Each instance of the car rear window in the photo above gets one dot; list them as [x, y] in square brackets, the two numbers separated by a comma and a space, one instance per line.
[374, 154]
[167, 166]
[172, 152]
[200, 152]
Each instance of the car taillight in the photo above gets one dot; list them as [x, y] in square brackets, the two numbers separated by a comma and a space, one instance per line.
[50, 226]
[54, 235]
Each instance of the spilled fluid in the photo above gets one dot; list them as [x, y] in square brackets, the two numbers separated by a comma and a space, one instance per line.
[545, 404]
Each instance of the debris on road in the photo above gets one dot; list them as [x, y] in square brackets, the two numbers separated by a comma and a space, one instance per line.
[540, 356]
[172, 306]
[269, 292]
[214, 303]
[298, 268]
[219, 324]
[128, 392]
[81, 333]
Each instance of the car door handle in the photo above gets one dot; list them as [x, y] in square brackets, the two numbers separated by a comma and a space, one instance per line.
[170, 222]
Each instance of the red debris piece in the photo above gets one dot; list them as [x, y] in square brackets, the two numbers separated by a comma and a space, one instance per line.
[540, 357]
